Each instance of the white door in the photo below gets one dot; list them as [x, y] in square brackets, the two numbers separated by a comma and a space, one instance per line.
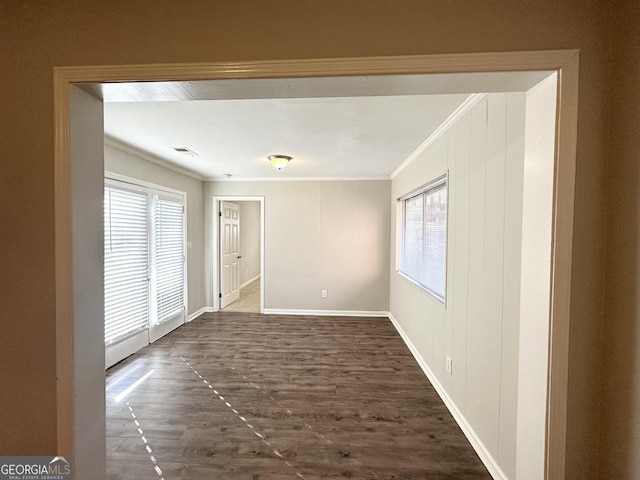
[167, 265]
[229, 253]
[126, 272]
[144, 267]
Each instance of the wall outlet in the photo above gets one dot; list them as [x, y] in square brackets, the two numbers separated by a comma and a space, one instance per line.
[189, 245]
[449, 362]
[324, 294]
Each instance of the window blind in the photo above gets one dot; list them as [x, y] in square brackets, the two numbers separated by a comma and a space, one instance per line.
[435, 244]
[168, 258]
[424, 238]
[126, 251]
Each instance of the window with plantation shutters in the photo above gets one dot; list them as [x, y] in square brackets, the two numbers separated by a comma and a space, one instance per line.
[168, 258]
[423, 247]
[126, 252]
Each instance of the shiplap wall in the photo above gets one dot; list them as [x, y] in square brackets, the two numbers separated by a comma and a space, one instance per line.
[483, 153]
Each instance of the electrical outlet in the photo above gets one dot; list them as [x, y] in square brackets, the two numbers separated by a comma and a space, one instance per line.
[324, 294]
[189, 245]
[449, 362]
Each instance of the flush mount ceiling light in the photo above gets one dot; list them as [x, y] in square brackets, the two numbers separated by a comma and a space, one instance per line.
[279, 161]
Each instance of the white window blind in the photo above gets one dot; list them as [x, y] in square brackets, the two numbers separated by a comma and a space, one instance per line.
[126, 251]
[435, 244]
[424, 238]
[168, 258]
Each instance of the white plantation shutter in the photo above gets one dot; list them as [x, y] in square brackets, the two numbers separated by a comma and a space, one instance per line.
[126, 251]
[424, 238]
[168, 258]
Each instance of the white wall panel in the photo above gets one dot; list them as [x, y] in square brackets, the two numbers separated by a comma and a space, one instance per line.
[514, 173]
[458, 260]
[88, 288]
[536, 273]
[478, 328]
[483, 378]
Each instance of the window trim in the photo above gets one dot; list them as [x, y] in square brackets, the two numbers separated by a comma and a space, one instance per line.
[401, 229]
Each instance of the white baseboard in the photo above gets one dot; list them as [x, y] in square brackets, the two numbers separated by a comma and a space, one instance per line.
[325, 313]
[482, 451]
[249, 281]
[197, 313]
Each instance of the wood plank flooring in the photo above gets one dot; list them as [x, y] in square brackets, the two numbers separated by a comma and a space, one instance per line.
[248, 396]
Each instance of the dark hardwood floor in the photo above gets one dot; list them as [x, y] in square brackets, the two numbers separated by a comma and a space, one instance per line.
[248, 396]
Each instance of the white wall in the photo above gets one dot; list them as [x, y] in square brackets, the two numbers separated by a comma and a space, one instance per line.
[318, 235]
[536, 272]
[88, 288]
[483, 153]
[124, 161]
[249, 240]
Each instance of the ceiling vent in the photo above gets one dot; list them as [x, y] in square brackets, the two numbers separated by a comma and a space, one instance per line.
[185, 151]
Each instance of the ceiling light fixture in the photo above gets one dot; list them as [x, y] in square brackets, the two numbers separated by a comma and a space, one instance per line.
[279, 161]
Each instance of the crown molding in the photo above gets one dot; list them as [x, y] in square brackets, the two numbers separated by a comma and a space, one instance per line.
[161, 162]
[471, 101]
[297, 179]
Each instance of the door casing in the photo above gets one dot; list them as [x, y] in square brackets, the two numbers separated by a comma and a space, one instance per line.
[215, 245]
[565, 62]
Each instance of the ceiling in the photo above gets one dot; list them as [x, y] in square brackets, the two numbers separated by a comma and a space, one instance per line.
[340, 127]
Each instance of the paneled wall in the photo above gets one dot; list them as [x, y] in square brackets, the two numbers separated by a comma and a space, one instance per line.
[483, 153]
[319, 235]
[133, 165]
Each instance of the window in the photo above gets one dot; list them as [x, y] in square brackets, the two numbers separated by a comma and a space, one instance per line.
[423, 246]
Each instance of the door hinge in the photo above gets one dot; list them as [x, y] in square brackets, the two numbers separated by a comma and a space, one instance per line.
[219, 214]
[219, 295]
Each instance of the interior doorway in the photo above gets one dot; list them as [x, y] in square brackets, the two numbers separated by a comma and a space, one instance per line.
[76, 279]
[239, 266]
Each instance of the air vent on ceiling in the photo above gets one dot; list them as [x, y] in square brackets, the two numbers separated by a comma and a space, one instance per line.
[185, 151]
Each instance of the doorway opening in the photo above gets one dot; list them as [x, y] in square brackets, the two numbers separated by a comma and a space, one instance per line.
[238, 254]
[79, 422]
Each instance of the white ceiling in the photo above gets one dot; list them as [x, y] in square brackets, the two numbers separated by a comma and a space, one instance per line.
[348, 127]
[327, 137]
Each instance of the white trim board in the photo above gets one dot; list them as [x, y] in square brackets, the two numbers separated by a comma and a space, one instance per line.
[295, 179]
[118, 177]
[325, 313]
[161, 162]
[75, 366]
[249, 281]
[482, 451]
[215, 240]
[199, 312]
[457, 114]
